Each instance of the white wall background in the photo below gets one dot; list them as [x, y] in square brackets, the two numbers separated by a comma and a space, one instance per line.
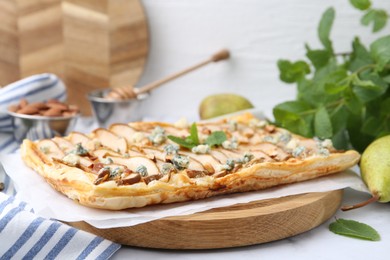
[257, 32]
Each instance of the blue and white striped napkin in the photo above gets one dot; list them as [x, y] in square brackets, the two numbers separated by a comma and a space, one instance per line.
[34, 89]
[23, 234]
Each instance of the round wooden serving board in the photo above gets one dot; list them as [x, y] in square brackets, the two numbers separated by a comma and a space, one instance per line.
[239, 225]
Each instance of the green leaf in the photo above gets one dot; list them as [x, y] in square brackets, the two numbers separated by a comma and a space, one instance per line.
[292, 72]
[338, 117]
[352, 102]
[361, 4]
[354, 229]
[386, 79]
[360, 57]
[182, 142]
[194, 134]
[216, 138]
[337, 82]
[368, 88]
[325, 27]
[371, 126]
[332, 89]
[322, 124]
[296, 116]
[357, 138]
[319, 58]
[340, 140]
[380, 51]
[378, 19]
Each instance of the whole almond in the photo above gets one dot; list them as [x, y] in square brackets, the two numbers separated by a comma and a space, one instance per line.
[61, 106]
[52, 100]
[28, 110]
[13, 108]
[53, 112]
[23, 102]
[39, 105]
[68, 113]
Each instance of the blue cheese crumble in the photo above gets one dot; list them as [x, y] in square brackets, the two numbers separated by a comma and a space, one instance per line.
[201, 149]
[107, 160]
[171, 149]
[233, 125]
[299, 151]
[115, 172]
[229, 165]
[181, 162]
[230, 144]
[71, 159]
[157, 136]
[80, 150]
[142, 170]
[166, 168]
[256, 123]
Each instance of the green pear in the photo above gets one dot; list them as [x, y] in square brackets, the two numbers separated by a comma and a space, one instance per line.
[375, 168]
[221, 104]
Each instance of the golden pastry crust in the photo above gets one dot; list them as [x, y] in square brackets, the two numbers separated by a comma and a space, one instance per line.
[123, 167]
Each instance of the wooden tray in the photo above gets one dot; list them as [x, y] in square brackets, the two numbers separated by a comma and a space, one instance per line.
[239, 225]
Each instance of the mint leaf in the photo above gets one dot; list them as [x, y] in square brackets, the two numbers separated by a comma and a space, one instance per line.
[360, 57]
[361, 4]
[324, 28]
[369, 87]
[182, 142]
[292, 72]
[380, 51]
[354, 229]
[319, 58]
[296, 116]
[352, 102]
[216, 138]
[194, 134]
[357, 138]
[322, 124]
[378, 19]
[338, 117]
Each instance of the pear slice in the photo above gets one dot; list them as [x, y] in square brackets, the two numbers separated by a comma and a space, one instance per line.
[50, 148]
[123, 130]
[63, 144]
[111, 140]
[79, 138]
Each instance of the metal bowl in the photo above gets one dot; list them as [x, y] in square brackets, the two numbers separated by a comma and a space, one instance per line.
[35, 127]
[107, 112]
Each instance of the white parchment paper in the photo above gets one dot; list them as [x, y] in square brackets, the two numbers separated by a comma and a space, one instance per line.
[48, 203]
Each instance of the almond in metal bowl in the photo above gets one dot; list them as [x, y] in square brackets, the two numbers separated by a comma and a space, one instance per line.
[42, 119]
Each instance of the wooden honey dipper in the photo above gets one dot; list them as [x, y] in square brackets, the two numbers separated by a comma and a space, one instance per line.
[129, 92]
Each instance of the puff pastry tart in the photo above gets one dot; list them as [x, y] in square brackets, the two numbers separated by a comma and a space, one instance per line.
[140, 163]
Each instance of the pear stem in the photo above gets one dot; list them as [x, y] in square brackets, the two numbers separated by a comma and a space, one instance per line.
[375, 197]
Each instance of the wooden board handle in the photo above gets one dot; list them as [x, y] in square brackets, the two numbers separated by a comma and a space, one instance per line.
[130, 92]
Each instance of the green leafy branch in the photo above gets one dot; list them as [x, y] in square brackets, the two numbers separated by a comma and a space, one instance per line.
[214, 139]
[345, 97]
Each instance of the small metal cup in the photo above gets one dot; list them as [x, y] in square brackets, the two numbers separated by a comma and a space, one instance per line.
[39, 127]
[107, 112]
